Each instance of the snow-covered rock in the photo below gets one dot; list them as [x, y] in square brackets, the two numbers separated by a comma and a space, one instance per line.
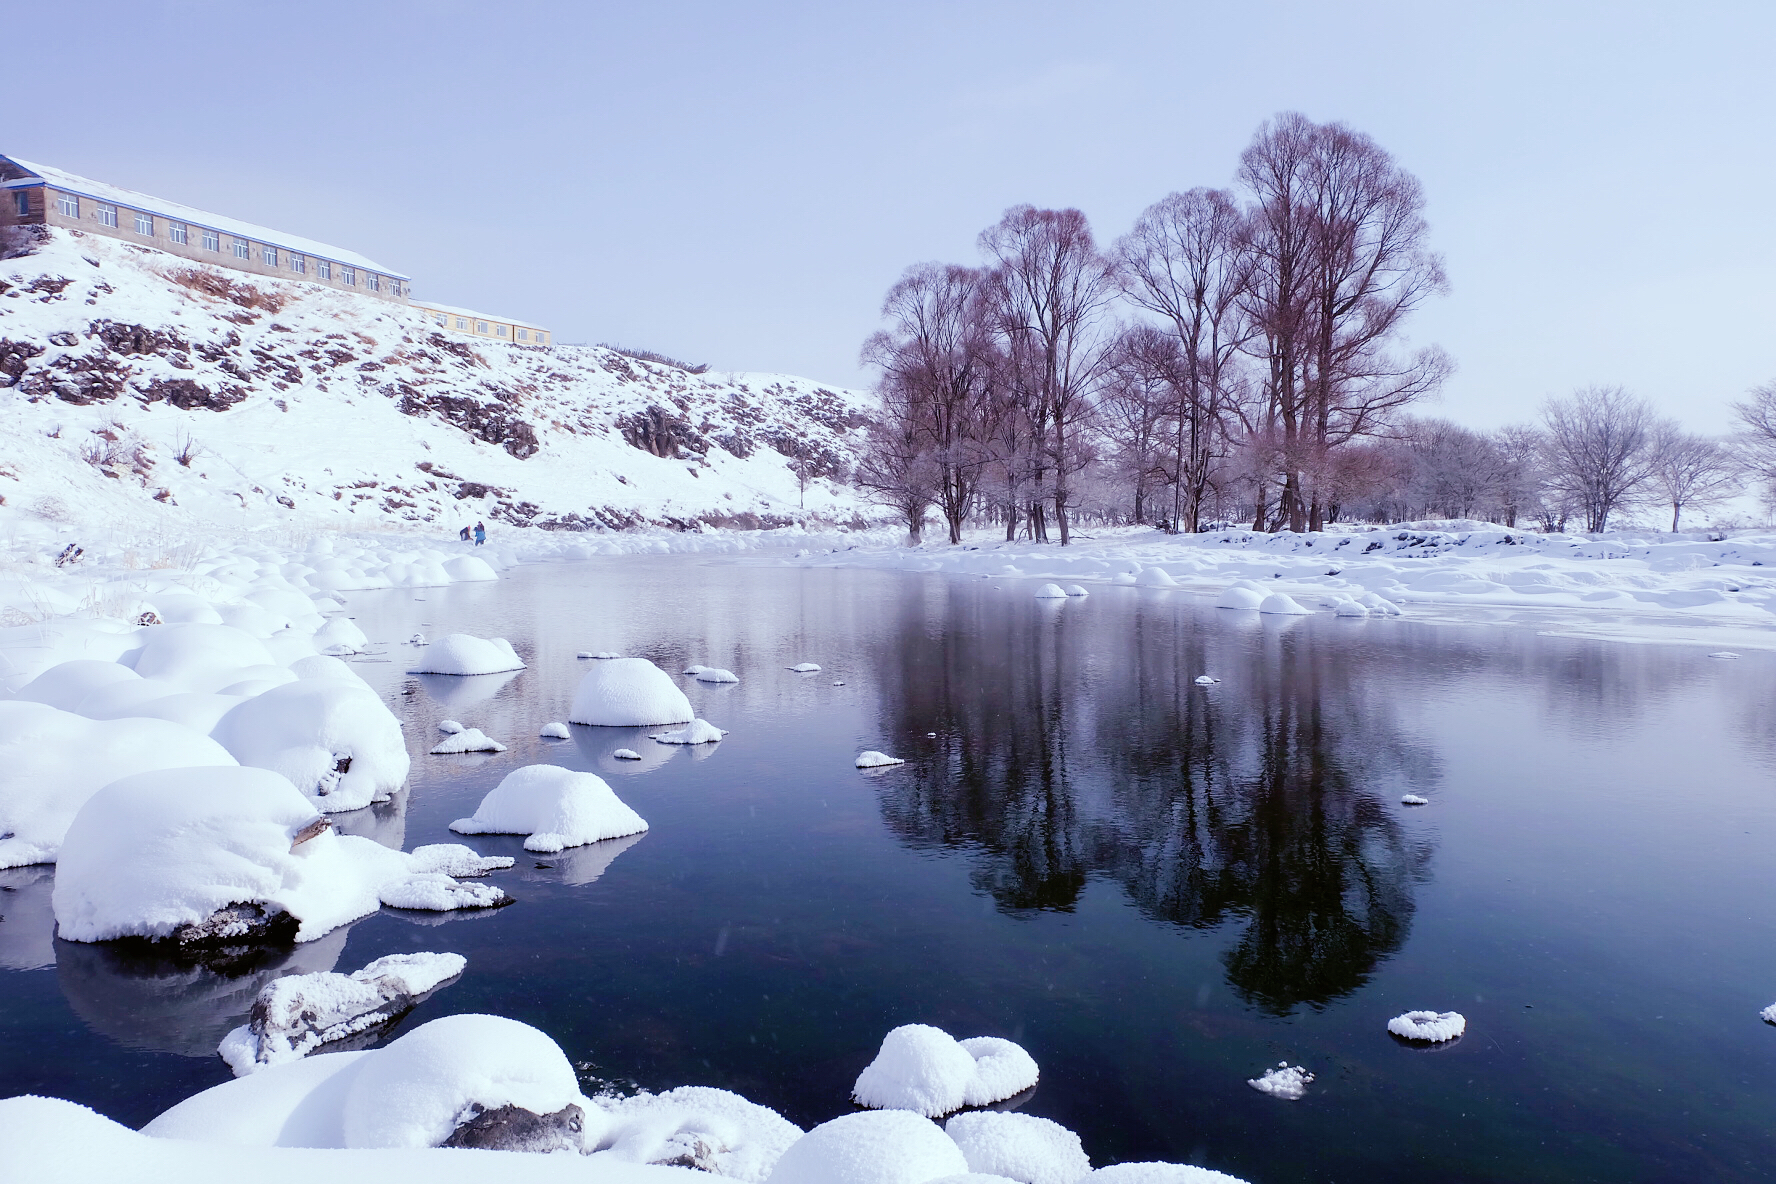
[698, 731]
[1240, 598]
[1286, 1081]
[331, 737]
[340, 635]
[1433, 1027]
[629, 693]
[467, 740]
[1050, 592]
[716, 674]
[299, 1013]
[437, 892]
[52, 762]
[926, 1070]
[1350, 608]
[450, 727]
[1022, 1147]
[1204, 680]
[1156, 577]
[1077, 590]
[1157, 1173]
[806, 667]
[1412, 799]
[1281, 604]
[466, 654]
[871, 759]
[879, 1147]
[626, 754]
[1768, 1014]
[558, 808]
[711, 1130]
[555, 730]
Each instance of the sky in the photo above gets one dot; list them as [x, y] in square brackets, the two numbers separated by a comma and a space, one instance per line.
[739, 184]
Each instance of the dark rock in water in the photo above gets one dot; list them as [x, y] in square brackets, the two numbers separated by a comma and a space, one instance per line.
[237, 925]
[513, 1128]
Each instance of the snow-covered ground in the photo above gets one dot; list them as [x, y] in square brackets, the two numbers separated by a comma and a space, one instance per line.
[1690, 587]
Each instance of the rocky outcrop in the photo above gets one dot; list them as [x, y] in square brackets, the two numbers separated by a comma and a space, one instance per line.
[513, 1128]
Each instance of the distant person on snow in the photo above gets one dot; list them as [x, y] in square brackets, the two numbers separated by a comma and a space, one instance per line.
[464, 534]
[480, 534]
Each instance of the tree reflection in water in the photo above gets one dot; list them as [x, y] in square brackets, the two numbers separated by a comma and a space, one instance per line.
[1065, 751]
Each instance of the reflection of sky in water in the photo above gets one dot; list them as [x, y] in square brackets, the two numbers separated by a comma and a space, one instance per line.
[1159, 888]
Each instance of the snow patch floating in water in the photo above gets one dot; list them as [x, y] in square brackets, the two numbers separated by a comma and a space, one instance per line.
[1050, 592]
[465, 654]
[1286, 1081]
[716, 674]
[1280, 604]
[1020, 1147]
[1728, 654]
[926, 1070]
[555, 731]
[871, 759]
[1431, 1026]
[629, 693]
[698, 731]
[626, 754]
[1412, 799]
[450, 727]
[558, 808]
[879, 1147]
[1077, 590]
[805, 667]
[297, 1014]
[468, 740]
[1203, 680]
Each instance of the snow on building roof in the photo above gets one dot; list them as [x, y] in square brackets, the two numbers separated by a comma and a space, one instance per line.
[454, 311]
[117, 195]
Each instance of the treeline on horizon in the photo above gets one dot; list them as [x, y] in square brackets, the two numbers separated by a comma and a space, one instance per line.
[1239, 357]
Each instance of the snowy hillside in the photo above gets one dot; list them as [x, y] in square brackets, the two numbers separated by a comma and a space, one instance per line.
[139, 386]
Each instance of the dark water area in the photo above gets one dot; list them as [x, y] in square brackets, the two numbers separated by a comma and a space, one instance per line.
[1159, 889]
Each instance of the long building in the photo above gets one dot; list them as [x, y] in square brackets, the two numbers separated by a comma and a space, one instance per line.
[481, 324]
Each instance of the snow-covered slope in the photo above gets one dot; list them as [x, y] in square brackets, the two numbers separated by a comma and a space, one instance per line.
[137, 384]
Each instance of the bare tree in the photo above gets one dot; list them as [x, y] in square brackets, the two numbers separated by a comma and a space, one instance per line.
[1137, 398]
[1691, 471]
[1051, 286]
[897, 467]
[1757, 422]
[1599, 450]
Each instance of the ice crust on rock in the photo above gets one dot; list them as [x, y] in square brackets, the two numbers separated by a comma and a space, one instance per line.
[159, 854]
[299, 1013]
[1022, 1147]
[52, 762]
[698, 731]
[467, 740]
[716, 674]
[926, 1070]
[558, 808]
[629, 693]
[1286, 1081]
[806, 667]
[1433, 1027]
[695, 1126]
[466, 654]
[871, 759]
[555, 730]
[1050, 592]
[333, 738]
[875, 1147]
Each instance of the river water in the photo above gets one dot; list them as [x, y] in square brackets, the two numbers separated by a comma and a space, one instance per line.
[1157, 888]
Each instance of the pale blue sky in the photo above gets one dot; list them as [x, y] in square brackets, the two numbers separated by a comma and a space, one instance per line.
[739, 184]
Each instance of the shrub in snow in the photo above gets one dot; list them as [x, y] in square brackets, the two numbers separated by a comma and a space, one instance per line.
[716, 674]
[332, 738]
[871, 759]
[190, 854]
[881, 1147]
[698, 731]
[925, 1070]
[199, 657]
[1025, 1148]
[1238, 597]
[629, 693]
[1286, 1081]
[694, 1126]
[467, 740]
[806, 667]
[1433, 1027]
[1280, 604]
[1077, 590]
[450, 727]
[1156, 577]
[1412, 799]
[626, 754]
[298, 1013]
[1050, 592]
[52, 762]
[462, 653]
[555, 731]
[558, 808]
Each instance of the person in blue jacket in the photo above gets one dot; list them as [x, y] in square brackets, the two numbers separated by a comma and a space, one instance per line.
[480, 534]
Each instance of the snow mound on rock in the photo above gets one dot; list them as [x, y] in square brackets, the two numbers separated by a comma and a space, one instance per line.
[629, 693]
[806, 667]
[716, 674]
[449, 727]
[298, 1013]
[1281, 604]
[698, 731]
[340, 635]
[871, 759]
[1204, 680]
[1157, 1173]
[439, 893]
[465, 654]
[926, 1070]
[1241, 598]
[558, 808]
[1020, 1146]
[695, 1126]
[52, 762]
[1077, 590]
[1412, 799]
[1050, 592]
[626, 754]
[1286, 1081]
[467, 740]
[1433, 1027]
[1156, 577]
[1350, 608]
[555, 731]
[331, 737]
[879, 1147]
[200, 657]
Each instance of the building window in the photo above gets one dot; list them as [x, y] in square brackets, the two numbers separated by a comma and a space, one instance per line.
[243, 249]
[324, 267]
[524, 335]
[68, 204]
[540, 337]
[394, 287]
[176, 232]
[107, 214]
[480, 326]
[373, 281]
[299, 264]
[350, 278]
[502, 330]
[461, 324]
[269, 254]
[212, 241]
[145, 224]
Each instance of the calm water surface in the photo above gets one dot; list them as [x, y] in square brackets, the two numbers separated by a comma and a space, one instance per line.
[1157, 888]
